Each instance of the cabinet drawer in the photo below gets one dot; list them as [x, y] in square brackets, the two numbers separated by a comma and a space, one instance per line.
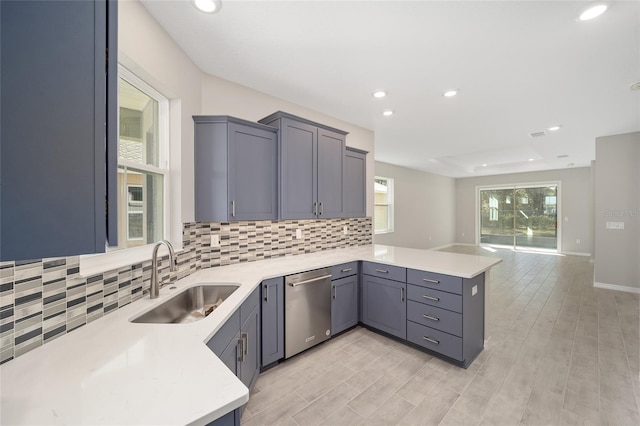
[442, 282]
[227, 332]
[384, 271]
[441, 319]
[249, 305]
[344, 270]
[441, 299]
[439, 341]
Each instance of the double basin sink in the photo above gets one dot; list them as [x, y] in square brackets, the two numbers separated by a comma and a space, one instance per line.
[189, 305]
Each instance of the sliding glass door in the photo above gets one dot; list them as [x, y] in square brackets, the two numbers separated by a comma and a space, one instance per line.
[519, 216]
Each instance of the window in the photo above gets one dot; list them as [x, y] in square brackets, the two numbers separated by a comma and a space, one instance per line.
[493, 208]
[383, 212]
[143, 163]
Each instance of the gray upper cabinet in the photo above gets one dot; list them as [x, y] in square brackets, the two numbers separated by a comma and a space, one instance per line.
[236, 170]
[58, 127]
[312, 166]
[355, 177]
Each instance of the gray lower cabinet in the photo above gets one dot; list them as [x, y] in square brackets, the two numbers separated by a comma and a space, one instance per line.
[272, 320]
[58, 127]
[344, 299]
[355, 178]
[237, 344]
[312, 166]
[384, 305]
[236, 170]
[445, 314]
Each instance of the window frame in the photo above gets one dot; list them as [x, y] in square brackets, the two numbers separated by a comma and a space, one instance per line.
[390, 206]
[168, 111]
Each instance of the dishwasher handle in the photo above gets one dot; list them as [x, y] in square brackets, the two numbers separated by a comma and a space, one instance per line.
[312, 280]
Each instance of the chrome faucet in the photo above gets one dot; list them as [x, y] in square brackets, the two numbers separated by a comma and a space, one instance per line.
[154, 287]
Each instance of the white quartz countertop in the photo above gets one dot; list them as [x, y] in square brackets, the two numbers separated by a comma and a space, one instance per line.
[114, 372]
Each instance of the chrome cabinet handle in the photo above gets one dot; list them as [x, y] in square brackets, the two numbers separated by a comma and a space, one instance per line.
[436, 299]
[315, 208]
[321, 209]
[346, 270]
[245, 346]
[402, 294]
[310, 281]
[233, 208]
[431, 281]
[382, 271]
[430, 340]
[266, 293]
[334, 292]
[241, 343]
[430, 317]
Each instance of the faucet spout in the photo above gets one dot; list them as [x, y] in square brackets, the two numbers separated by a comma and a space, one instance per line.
[154, 287]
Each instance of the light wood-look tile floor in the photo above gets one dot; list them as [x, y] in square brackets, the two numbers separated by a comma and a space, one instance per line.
[560, 352]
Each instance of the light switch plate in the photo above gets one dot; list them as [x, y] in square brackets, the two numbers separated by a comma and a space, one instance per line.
[298, 234]
[474, 290]
[215, 240]
[345, 230]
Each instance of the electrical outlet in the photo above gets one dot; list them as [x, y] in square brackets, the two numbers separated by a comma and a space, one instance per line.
[215, 240]
[298, 234]
[345, 230]
[474, 290]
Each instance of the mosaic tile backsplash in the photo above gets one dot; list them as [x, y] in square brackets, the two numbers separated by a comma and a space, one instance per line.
[41, 300]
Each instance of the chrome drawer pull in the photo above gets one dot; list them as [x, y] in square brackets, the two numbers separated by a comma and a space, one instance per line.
[346, 270]
[382, 271]
[431, 281]
[430, 317]
[431, 340]
[266, 293]
[436, 299]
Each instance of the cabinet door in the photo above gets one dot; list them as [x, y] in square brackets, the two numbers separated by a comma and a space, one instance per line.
[331, 160]
[272, 320]
[344, 304]
[231, 355]
[250, 337]
[54, 101]
[384, 305]
[355, 191]
[298, 170]
[253, 178]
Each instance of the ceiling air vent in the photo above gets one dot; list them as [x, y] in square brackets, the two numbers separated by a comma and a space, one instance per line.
[537, 134]
[563, 156]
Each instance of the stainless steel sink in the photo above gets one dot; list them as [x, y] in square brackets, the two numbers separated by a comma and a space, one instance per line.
[191, 304]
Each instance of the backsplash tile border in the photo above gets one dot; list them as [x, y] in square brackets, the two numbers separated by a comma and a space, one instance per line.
[41, 300]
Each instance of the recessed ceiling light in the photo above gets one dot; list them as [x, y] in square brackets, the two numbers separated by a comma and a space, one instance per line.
[554, 128]
[484, 165]
[379, 94]
[592, 10]
[387, 112]
[208, 6]
[530, 159]
[450, 93]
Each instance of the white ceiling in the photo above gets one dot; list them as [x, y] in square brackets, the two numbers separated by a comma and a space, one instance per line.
[521, 67]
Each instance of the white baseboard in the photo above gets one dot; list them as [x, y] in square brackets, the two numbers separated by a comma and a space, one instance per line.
[464, 244]
[575, 253]
[616, 287]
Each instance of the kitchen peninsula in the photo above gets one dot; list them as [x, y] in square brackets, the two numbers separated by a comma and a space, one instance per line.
[113, 371]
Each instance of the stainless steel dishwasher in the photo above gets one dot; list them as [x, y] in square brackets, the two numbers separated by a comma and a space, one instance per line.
[307, 318]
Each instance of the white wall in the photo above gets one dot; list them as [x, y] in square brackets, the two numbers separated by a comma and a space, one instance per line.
[222, 97]
[424, 208]
[575, 198]
[617, 199]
